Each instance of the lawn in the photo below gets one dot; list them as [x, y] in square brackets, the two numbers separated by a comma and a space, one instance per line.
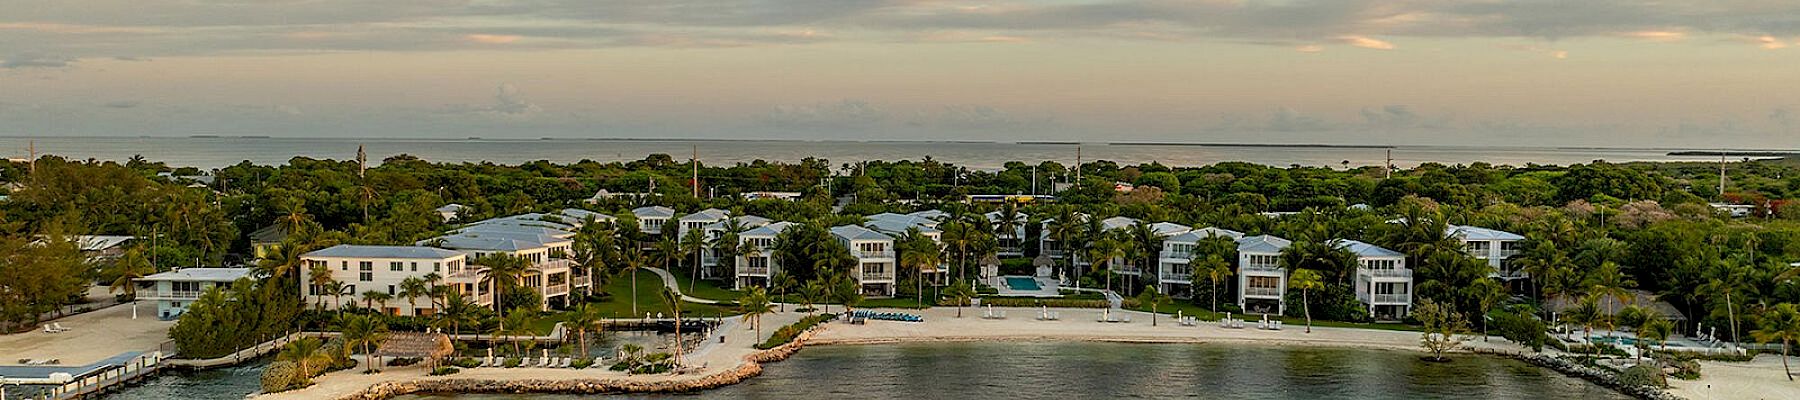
[1193, 310]
[649, 300]
[704, 289]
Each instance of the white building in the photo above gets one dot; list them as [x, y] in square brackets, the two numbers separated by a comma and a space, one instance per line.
[175, 290]
[450, 212]
[1383, 282]
[756, 255]
[363, 268]
[699, 220]
[1491, 246]
[1172, 269]
[1047, 243]
[1261, 281]
[874, 253]
[709, 260]
[896, 227]
[551, 273]
[101, 248]
[1013, 245]
[651, 218]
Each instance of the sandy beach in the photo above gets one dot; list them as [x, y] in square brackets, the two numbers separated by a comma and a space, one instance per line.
[1757, 379]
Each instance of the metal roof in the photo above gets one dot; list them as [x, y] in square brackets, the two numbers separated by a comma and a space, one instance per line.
[857, 233]
[1478, 233]
[1364, 249]
[710, 214]
[100, 242]
[897, 227]
[200, 275]
[1203, 233]
[1263, 244]
[1169, 228]
[653, 212]
[748, 221]
[1118, 222]
[929, 214]
[771, 229]
[365, 251]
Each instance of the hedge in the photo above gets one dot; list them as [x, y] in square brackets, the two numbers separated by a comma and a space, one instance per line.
[788, 333]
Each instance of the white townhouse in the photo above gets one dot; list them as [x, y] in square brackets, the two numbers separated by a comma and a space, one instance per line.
[1047, 243]
[1261, 280]
[709, 261]
[1383, 282]
[1491, 246]
[1013, 246]
[934, 215]
[874, 253]
[756, 255]
[363, 268]
[897, 228]
[699, 220]
[651, 218]
[1172, 269]
[175, 290]
[551, 273]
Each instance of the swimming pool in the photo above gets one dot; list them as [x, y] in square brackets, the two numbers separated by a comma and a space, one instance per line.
[1024, 284]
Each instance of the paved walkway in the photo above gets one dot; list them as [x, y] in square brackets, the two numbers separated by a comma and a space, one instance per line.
[669, 281]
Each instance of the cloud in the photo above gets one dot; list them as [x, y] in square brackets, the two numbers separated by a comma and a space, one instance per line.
[507, 102]
[23, 61]
[1286, 119]
[1770, 42]
[1366, 42]
[1311, 48]
[847, 113]
[491, 39]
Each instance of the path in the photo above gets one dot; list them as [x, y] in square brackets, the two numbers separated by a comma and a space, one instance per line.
[669, 281]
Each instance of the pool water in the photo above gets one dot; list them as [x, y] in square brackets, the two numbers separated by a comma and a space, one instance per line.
[1024, 284]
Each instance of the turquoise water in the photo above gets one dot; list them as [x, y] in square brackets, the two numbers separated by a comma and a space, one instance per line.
[1060, 370]
[1024, 284]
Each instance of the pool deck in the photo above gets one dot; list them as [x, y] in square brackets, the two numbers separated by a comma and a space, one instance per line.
[1047, 287]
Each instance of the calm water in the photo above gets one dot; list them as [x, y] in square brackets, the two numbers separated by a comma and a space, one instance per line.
[1101, 370]
[219, 152]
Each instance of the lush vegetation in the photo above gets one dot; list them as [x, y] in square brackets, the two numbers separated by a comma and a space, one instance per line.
[787, 333]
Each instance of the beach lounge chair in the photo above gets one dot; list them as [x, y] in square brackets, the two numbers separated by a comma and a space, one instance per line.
[1127, 318]
[59, 327]
[48, 329]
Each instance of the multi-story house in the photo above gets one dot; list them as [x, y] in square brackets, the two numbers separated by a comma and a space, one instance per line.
[896, 227]
[175, 290]
[1493, 247]
[874, 253]
[756, 255]
[362, 269]
[699, 220]
[1011, 245]
[1383, 282]
[1172, 269]
[709, 257]
[1261, 280]
[1047, 242]
[650, 219]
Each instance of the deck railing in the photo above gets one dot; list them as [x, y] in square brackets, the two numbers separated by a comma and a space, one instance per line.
[1262, 291]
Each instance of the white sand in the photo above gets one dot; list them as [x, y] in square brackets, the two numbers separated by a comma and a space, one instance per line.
[94, 336]
[1758, 379]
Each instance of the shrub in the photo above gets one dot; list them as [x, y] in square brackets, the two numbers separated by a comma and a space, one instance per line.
[466, 362]
[403, 361]
[1524, 329]
[1643, 375]
[1685, 369]
[513, 362]
[1035, 302]
[281, 376]
[445, 370]
[788, 333]
[582, 363]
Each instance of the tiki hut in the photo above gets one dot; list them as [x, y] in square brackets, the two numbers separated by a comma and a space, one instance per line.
[1046, 267]
[990, 266]
[429, 346]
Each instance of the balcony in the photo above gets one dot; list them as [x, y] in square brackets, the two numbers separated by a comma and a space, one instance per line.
[753, 271]
[1126, 269]
[872, 253]
[709, 260]
[556, 289]
[554, 265]
[877, 275]
[1263, 268]
[581, 281]
[1176, 278]
[1262, 292]
[1508, 253]
[1386, 298]
[485, 299]
[1176, 255]
[173, 295]
[1386, 272]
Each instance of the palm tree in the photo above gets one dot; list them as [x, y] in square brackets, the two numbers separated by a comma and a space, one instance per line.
[847, 292]
[504, 271]
[961, 235]
[304, 353]
[1009, 224]
[372, 297]
[411, 289]
[1306, 280]
[1103, 252]
[320, 277]
[363, 331]
[285, 259]
[960, 293]
[1780, 324]
[1610, 282]
[1214, 269]
[632, 258]
[918, 252]
[694, 243]
[517, 323]
[674, 301]
[434, 289]
[127, 269]
[458, 311]
[1153, 298]
[755, 303]
[1545, 264]
[338, 291]
[1065, 225]
[782, 282]
[811, 293]
[1486, 293]
[584, 317]
[1657, 329]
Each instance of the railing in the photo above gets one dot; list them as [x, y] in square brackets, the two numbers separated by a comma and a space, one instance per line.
[709, 260]
[1263, 268]
[872, 253]
[581, 280]
[1176, 278]
[553, 265]
[1505, 253]
[1391, 299]
[1386, 272]
[764, 271]
[1262, 291]
[1176, 255]
[877, 275]
[485, 298]
[174, 295]
[1126, 269]
[557, 289]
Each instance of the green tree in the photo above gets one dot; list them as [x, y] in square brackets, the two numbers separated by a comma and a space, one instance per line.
[365, 332]
[1212, 268]
[306, 356]
[584, 318]
[960, 293]
[503, 271]
[1153, 298]
[755, 304]
[1780, 324]
[1441, 327]
[127, 269]
[1306, 280]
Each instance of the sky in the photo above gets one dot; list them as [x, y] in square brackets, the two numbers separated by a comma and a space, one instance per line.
[1619, 73]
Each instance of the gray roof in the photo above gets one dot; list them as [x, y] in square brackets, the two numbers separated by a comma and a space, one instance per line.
[452, 207]
[996, 216]
[1118, 222]
[897, 227]
[1364, 249]
[857, 233]
[771, 229]
[200, 275]
[365, 251]
[99, 242]
[483, 242]
[929, 214]
[583, 215]
[710, 214]
[750, 221]
[1264, 244]
[1478, 233]
[653, 212]
[512, 230]
[1203, 233]
[1169, 228]
[557, 221]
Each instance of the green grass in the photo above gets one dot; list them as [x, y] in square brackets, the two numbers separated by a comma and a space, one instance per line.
[704, 289]
[1193, 310]
[649, 299]
[908, 302]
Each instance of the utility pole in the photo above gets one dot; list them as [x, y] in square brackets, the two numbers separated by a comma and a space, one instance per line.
[362, 173]
[1721, 175]
[1077, 166]
[695, 162]
[1389, 167]
[1034, 190]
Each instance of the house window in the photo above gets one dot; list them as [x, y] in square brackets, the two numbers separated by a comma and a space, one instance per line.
[396, 266]
[344, 265]
[365, 265]
[366, 276]
[415, 266]
[390, 290]
[437, 267]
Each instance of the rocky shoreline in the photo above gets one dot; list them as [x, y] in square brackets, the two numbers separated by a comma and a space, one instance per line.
[1597, 376]
[751, 367]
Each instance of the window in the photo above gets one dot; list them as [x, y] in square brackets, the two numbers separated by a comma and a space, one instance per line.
[344, 265]
[396, 266]
[366, 276]
[390, 290]
[437, 267]
[415, 266]
[365, 265]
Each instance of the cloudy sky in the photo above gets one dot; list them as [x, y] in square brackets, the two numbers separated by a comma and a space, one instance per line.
[1520, 72]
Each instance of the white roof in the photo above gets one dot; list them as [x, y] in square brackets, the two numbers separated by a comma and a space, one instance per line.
[1263, 244]
[1478, 233]
[897, 227]
[930, 214]
[748, 221]
[1364, 249]
[1169, 228]
[365, 251]
[710, 214]
[913, 220]
[452, 207]
[771, 229]
[1118, 222]
[1203, 233]
[653, 212]
[100, 242]
[996, 216]
[200, 275]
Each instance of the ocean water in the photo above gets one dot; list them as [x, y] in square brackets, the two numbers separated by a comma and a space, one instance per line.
[215, 152]
[1073, 370]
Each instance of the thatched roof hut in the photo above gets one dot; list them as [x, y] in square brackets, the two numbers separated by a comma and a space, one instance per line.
[430, 346]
